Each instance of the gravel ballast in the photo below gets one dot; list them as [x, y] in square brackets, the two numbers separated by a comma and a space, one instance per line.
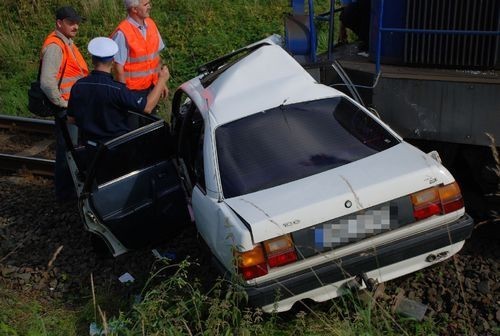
[45, 249]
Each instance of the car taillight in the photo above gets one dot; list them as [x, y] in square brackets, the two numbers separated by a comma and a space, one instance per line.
[451, 197]
[437, 201]
[252, 264]
[280, 251]
[426, 203]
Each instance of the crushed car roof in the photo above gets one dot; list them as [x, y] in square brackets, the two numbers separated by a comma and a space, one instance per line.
[266, 78]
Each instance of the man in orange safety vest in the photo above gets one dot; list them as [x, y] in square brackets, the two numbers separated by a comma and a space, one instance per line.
[62, 65]
[62, 62]
[138, 63]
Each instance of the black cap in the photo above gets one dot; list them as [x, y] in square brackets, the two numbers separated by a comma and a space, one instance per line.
[69, 13]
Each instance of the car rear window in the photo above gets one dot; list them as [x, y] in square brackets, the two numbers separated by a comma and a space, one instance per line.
[290, 142]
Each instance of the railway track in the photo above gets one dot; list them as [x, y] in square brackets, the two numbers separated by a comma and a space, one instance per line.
[22, 143]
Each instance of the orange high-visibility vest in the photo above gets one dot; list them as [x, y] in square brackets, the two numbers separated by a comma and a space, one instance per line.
[76, 67]
[143, 62]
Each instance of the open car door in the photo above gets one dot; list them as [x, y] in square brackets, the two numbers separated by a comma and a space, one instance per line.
[131, 195]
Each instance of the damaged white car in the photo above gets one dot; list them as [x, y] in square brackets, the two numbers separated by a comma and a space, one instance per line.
[292, 184]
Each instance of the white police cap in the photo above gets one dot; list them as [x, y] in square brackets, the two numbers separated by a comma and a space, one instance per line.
[102, 47]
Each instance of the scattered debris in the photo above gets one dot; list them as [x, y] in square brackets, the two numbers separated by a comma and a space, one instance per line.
[408, 307]
[379, 292]
[94, 330]
[54, 257]
[126, 277]
[164, 255]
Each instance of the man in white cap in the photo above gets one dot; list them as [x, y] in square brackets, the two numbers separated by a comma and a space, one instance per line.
[99, 105]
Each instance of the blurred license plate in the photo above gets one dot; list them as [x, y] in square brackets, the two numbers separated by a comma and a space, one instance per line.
[353, 228]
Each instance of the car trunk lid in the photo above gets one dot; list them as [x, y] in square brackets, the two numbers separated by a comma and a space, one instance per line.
[348, 189]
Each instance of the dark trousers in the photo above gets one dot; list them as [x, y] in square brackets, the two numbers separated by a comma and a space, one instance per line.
[63, 182]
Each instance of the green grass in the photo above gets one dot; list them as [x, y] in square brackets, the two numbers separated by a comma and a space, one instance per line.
[195, 31]
[24, 315]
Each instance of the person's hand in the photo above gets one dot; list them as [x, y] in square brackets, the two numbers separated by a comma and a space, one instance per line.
[164, 93]
[164, 74]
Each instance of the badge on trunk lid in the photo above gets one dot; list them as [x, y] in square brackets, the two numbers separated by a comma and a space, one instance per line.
[291, 223]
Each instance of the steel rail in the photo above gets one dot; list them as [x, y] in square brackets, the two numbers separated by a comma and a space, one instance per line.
[36, 166]
[30, 125]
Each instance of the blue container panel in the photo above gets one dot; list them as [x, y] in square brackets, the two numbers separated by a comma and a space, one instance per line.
[394, 16]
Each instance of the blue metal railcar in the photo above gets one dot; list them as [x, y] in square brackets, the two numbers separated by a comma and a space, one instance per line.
[433, 74]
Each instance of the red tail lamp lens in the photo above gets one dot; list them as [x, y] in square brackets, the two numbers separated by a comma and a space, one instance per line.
[282, 259]
[426, 203]
[427, 211]
[437, 201]
[280, 251]
[252, 272]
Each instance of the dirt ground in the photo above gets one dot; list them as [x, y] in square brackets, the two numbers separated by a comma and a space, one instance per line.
[45, 250]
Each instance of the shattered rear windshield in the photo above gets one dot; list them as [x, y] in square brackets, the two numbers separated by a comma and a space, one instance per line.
[290, 142]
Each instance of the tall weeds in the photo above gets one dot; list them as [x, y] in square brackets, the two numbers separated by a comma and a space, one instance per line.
[496, 156]
[175, 304]
[496, 170]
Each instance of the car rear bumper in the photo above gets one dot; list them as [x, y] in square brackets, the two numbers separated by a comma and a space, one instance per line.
[337, 270]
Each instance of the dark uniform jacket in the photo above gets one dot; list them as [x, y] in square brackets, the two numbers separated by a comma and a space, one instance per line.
[99, 105]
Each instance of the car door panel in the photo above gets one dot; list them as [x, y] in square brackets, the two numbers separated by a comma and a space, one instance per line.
[134, 190]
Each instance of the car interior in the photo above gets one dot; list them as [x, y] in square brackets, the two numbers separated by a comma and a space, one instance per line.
[132, 184]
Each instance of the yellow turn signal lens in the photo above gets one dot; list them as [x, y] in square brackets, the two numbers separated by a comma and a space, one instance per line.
[450, 192]
[252, 257]
[252, 264]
